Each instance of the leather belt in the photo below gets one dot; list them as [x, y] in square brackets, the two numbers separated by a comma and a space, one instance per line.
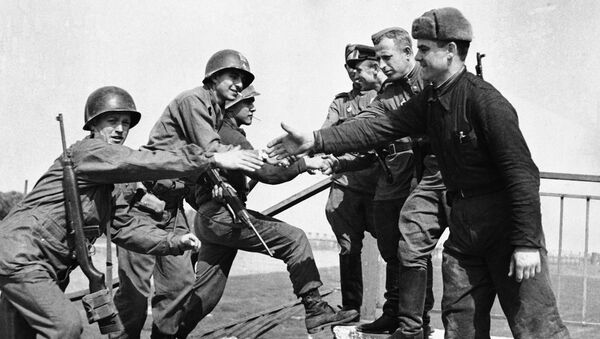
[397, 147]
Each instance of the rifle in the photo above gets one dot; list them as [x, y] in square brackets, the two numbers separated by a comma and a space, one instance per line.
[479, 67]
[234, 203]
[98, 304]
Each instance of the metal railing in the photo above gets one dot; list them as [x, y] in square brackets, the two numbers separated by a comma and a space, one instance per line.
[585, 260]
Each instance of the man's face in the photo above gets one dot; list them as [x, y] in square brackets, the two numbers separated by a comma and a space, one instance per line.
[352, 75]
[434, 60]
[243, 111]
[366, 75]
[228, 84]
[112, 127]
[393, 60]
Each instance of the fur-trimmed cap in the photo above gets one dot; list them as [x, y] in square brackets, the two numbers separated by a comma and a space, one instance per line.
[446, 24]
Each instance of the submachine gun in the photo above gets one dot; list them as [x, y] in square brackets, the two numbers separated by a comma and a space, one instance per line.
[98, 304]
[234, 203]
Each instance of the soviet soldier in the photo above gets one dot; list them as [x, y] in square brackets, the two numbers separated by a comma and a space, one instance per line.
[496, 243]
[348, 208]
[35, 256]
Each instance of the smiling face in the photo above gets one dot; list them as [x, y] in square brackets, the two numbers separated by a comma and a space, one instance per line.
[434, 60]
[394, 60]
[366, 75]
[228, 84]
[112, 127]
[243, 111]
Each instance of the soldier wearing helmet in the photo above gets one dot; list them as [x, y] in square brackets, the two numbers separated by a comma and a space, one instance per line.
[195, 116]
[35, 256]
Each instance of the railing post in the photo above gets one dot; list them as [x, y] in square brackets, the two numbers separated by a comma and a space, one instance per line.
[371, 277]
[560, 239]
[585, 258]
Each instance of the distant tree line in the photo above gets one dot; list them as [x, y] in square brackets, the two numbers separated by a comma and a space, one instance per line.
[7, 201]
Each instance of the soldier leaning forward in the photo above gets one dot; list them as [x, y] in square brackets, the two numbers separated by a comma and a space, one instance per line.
[35, 256]
[493, 186]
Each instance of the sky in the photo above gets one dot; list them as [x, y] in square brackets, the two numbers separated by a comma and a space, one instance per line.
[540, 54]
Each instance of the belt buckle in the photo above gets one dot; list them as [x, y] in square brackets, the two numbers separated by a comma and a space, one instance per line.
[392, 148]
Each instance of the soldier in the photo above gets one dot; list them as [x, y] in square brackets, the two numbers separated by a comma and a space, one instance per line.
[35, 256]
[421, 215]
[222, 236]
[348, 208]
[496, 243]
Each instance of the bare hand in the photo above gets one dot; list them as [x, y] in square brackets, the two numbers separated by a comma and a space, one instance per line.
[332, 164]
[294, 142]
[189, 242]
[238, 159]
[319, 162]
[524, 263]
[217, 192]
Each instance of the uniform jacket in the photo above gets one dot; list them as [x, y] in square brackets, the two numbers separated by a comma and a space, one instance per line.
[193, 117]
[231, 134]
[475, 135]
[33, 234]
[345, 107]
[392, 95]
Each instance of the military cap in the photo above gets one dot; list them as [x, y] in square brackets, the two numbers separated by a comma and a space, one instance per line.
[349, 49]
[248, 93]
[360, 53]
[445, 24]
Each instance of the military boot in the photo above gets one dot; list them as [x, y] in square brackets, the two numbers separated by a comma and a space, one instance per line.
[383, 324]
[399, 334]
[320, 315]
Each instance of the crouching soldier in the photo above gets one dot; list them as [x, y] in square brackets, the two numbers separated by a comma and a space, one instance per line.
[35, 256]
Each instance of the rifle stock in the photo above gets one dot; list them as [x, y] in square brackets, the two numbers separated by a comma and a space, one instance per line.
[98, 304]
[235, 204]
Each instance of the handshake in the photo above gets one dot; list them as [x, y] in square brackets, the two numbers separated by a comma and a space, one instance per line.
[325, 163]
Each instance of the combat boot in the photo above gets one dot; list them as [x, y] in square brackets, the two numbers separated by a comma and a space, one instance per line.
[320, 315]
[383, 324]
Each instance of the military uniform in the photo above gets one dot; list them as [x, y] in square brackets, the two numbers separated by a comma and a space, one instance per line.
[349, 205]
[494, 190]
[191, 118]
[222, 237]
[394, 212]
[35, 258]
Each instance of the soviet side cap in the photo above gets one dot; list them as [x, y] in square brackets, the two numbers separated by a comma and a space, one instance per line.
[444, 24]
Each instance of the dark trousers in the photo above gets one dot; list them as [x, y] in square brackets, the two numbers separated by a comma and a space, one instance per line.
[32, 304]
[423, 219]
[350, 214]
[221, 239]
[171, 274]
[475, 269]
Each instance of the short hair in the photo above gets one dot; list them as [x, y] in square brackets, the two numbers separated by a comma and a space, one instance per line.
[399, 35]
[462, 47]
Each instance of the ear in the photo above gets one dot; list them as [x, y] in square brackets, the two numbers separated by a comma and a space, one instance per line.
[452, 50]
[408, 50]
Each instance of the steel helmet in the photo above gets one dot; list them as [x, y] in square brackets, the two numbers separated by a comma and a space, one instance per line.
[229, 58]
[109, 99]
[248, 93]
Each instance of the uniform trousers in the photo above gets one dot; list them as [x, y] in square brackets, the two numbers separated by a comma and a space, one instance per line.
[171, 274]
[221, 239]
[423, 219]
[33, 303]
[350, 214]
[475, 269]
